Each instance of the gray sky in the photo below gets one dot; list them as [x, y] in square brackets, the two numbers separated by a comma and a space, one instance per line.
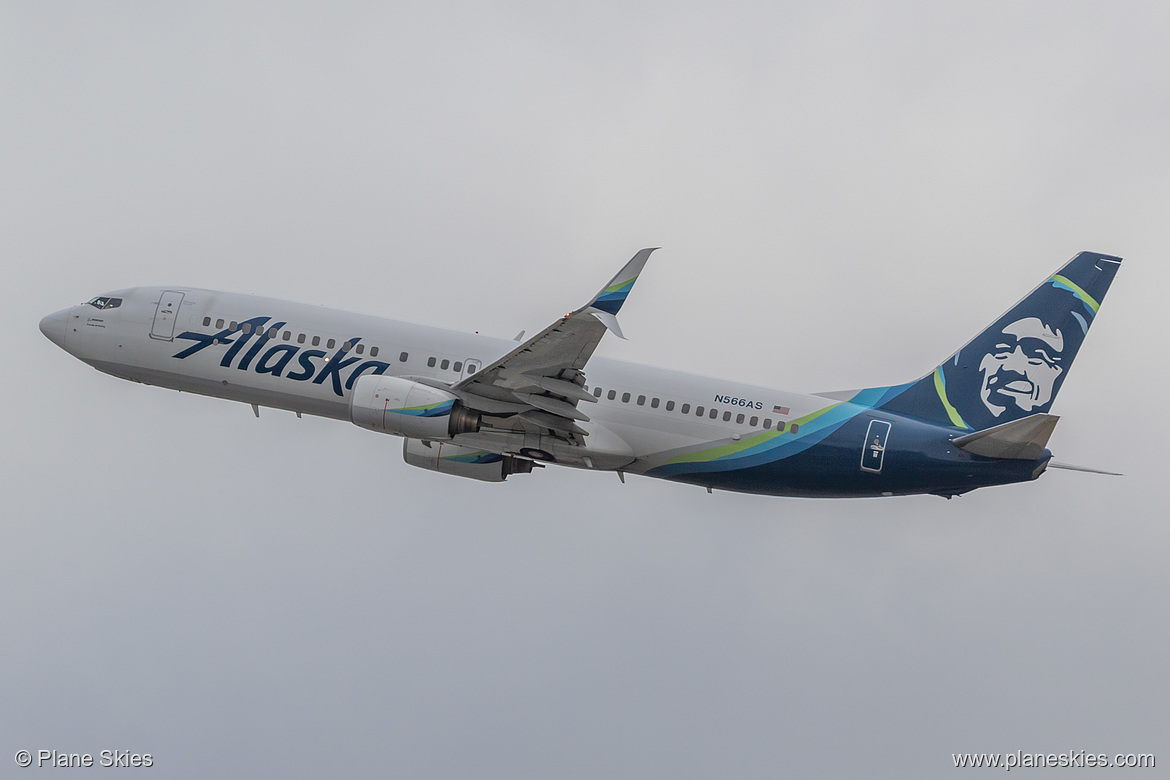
[845, 193]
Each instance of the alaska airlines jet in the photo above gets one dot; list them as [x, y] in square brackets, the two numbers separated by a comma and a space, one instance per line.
[487, 408]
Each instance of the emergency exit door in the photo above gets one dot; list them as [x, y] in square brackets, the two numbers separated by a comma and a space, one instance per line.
[470, 366]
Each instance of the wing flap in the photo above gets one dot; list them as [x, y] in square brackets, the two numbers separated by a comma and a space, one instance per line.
[552, 406]
[562, 388]
[553, 422]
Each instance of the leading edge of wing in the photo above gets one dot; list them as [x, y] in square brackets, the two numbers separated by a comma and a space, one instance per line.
[549, 362]
[608, 301]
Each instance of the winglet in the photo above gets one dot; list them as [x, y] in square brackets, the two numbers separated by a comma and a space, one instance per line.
[613, 295]
[610, 322]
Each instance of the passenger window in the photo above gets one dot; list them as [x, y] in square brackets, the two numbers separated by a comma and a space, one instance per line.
[670, 406]
[625, 398]
[727, 417]
[207, 322]
[316, 341]
[641, 400]
[300, 338]
[612, 395]
[219, 324]
[431, 362]
[653, 403]
[329, 344]
[699, 411]
[361, 349]
[738, 419]
[714, 413]
[597, 392]
[458, 366]
[767, 422]
[246, 327]
[686, 409]
[234, 326]
[754, 421]
[780, 425]
[272, 332]
[445, 364]
[795, 428]
[287, 335]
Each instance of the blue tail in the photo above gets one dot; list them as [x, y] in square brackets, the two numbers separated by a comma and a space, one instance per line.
[1016, 366]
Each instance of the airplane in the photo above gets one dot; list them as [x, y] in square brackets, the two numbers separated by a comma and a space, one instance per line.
[488, 408]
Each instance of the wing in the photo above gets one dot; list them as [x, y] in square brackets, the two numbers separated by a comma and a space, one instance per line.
[538, 385]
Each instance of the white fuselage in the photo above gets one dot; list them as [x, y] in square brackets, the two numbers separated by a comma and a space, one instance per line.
[165, 336]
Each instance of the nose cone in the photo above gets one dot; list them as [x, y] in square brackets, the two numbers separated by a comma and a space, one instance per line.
[54, 326]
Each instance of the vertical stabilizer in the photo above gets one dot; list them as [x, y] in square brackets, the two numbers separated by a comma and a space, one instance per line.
[1015, 367]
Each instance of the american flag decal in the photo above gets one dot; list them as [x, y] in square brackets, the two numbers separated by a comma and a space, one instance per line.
[779, 410]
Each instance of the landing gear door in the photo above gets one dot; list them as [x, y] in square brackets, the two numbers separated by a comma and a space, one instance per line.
[873, 452]
[165, 314]
[470, 366]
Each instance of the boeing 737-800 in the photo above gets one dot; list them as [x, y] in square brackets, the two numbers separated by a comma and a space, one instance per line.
[487, 408]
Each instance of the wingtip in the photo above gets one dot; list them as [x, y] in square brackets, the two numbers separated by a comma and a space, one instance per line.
[642, 255]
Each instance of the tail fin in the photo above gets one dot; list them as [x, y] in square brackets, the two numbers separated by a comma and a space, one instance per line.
[1015, 367]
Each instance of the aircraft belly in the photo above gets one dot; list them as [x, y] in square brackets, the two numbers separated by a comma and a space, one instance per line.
[832, 463]
[306, 403]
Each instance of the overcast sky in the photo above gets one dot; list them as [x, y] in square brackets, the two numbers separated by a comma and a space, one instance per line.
[845, 192]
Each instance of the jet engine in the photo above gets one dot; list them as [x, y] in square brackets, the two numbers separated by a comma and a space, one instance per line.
[463, 461]
[391, 404]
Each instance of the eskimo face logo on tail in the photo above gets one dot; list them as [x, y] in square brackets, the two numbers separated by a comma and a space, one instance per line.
[312, 365]
[1016, 367]
[1023, 368]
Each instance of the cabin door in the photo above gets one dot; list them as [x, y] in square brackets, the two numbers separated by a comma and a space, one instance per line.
[165, 314]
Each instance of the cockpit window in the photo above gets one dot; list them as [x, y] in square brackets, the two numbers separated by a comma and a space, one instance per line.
[103, 302]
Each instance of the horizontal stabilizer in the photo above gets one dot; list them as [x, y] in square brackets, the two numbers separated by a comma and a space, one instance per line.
[1070, 467]
[1023, 439]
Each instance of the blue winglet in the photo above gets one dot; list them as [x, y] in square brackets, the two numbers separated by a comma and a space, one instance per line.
[613, 295]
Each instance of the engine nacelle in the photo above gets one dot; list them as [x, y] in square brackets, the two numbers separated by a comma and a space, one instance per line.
[391, 404]
[462, 461]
